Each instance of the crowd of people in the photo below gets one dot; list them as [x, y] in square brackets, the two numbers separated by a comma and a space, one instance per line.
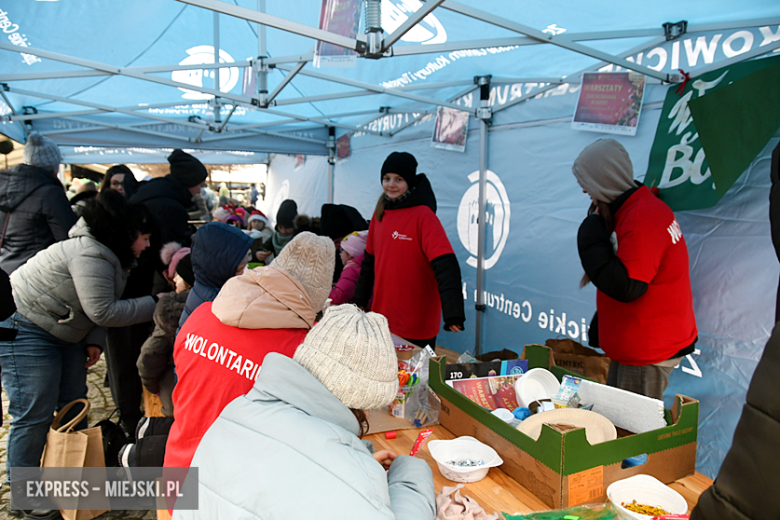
[189, 294]
[267, 341]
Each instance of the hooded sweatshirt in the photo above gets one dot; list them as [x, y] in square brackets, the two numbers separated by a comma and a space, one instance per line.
[217, 251]
[219, 352]
[40, 213]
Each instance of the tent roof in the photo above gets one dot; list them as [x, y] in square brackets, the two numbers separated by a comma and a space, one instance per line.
[113, 75]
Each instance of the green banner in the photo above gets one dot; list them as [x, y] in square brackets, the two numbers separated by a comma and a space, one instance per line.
[678, 165]
[736, 122]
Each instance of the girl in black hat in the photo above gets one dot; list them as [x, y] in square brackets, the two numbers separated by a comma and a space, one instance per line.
[405, 236]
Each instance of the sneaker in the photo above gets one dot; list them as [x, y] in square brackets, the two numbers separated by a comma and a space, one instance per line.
[127, 456]
[140, 430]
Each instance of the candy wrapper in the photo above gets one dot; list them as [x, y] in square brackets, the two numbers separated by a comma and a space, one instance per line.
[421, 438]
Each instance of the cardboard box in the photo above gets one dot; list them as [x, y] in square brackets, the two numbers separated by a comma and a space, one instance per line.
[561, 468]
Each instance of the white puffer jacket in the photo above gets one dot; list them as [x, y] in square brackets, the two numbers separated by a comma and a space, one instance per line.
[72, 286]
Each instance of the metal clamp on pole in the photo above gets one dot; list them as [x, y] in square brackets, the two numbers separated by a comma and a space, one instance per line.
[484, 112]
[262, 82]
[374, 33]
[331, 144]
[673, 30]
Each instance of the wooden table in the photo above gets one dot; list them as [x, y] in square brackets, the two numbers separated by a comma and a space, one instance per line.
[498, 492]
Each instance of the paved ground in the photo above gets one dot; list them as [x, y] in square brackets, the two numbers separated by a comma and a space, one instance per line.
[102, 406]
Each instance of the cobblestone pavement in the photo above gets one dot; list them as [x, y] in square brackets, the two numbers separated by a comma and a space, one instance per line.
[102, 406]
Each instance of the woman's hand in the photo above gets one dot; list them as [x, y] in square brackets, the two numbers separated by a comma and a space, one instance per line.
[385, 458]
[455, 328]
[261, 255]
[93, 354]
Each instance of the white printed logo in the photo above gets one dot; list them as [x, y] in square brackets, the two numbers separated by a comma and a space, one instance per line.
[199, 55]
[428, 31]
[398, 236]
[674, 231]
[497, 213]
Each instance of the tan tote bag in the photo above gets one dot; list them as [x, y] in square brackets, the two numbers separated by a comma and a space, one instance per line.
[66, 448]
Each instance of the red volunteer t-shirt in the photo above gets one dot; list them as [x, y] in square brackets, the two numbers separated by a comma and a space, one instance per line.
[215, 363]
[405, 288]
[660, 323]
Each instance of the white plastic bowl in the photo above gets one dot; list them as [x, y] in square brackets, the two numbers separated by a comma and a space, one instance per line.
[536, 384]
[464, 448]
[645, 490]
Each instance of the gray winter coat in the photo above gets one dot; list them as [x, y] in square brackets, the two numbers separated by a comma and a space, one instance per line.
[40, 213]
[74, 285]
[289, 449]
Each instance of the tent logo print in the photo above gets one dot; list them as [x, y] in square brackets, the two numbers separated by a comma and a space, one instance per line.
[203, 54]
[428, 31]
[497, 213]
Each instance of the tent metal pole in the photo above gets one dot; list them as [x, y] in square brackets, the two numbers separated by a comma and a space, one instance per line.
[278, 23]
[483, 114]
[288, 78]
[560, 41]
[331, 161]
[410, 22]
[262, 42]
[216, 51]
[640, 48]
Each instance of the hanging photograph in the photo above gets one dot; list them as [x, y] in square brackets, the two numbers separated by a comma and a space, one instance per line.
[609, 102]
[339, 17]
[451, 129]
[343, 149]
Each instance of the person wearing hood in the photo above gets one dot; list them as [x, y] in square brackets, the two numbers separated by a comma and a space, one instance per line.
[219, 252]
[219, 351]
[284, 231]
[632, 249]
[34, 210]
[405, 233]
[291, 447]
[64, 296]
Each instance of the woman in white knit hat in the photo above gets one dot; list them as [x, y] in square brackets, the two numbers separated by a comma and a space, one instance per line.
[220, 348]
[290, 448]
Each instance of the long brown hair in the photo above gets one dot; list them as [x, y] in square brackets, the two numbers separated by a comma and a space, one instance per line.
[602, 208]
[379, 211]
[360, 415]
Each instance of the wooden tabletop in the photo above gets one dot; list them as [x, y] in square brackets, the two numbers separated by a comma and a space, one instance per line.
[498, 492]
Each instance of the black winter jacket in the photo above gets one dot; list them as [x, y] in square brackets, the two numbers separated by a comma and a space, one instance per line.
[40, 213]
[746, 486]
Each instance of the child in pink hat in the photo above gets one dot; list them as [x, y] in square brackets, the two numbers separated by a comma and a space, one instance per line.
[352, 248]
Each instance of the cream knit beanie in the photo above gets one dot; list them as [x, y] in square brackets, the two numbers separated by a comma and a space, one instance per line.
[351, 353]
[310, 260]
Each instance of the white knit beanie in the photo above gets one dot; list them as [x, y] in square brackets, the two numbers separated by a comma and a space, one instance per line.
[42, 152]
[604, 170]
[351, 353]
[311, 260]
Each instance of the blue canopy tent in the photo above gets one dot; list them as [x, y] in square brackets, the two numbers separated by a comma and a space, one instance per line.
[113, 80]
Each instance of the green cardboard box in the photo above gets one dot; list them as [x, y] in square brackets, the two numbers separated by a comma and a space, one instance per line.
[561, 468]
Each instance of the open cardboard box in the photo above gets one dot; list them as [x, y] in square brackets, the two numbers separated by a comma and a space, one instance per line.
[561, 468]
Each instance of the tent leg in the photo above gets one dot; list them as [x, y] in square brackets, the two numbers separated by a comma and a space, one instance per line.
[484, 116]
[331, 161]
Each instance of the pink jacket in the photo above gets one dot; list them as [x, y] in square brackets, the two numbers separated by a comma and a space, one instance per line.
[344, 289]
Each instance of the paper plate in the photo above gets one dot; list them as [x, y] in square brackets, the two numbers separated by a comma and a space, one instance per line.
[597, 427]
[536, 384]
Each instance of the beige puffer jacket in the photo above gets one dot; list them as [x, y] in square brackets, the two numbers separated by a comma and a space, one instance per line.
[264, 298]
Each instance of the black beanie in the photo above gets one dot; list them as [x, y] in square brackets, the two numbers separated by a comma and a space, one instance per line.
[339, 220]
[403, 164]
[187, 169]
[184, 269]
[288, 210]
